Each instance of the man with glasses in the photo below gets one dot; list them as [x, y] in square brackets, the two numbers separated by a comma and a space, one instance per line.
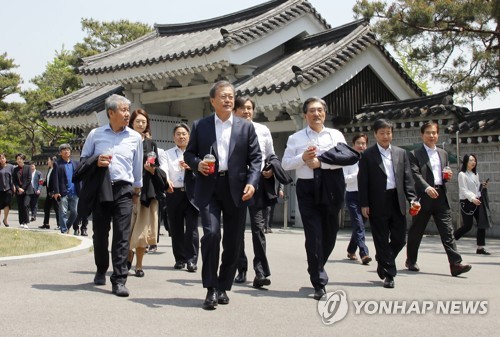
[320, 216]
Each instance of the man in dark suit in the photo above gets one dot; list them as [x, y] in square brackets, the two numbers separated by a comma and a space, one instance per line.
[228, 190]
[50, 201]
[385, 184]
[427, 164]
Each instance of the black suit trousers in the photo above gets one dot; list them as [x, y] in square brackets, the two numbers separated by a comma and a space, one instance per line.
[233, 216]
[50, 203]
[120, 212]
[185, 242]
[23, 205]
[321, 224]
[441, 214]
[389, 234]
[259, 219]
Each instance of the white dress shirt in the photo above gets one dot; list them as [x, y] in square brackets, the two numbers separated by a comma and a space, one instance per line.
[223, 135]
[175, 172]
[351, 177]
[299, 142]
[389, 168]
[265, 141]
[435, 162]
[468, 185]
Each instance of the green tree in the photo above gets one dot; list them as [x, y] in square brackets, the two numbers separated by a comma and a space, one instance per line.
[9, 81]
[457, 42]
[103, 36]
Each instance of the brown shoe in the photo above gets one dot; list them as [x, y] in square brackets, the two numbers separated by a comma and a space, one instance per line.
[366, 259]
[458, 268]
[352, 257]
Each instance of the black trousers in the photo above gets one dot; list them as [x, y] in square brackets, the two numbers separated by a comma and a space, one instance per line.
[23, 204]
[50, 203]
[389, 234]
[259, 217]
[33, 206]
[441, 213]
[185, 239]
[234, 228]
[119, 211]
[467, 221]
[321, 224]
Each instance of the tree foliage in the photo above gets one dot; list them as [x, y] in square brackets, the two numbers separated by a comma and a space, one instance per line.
[457, 41]
[103, 36]
[22, 129]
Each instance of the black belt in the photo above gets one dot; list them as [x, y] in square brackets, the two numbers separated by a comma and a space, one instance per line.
[117, 183]
[222, 173]
[179, 189]
[437, 187]
[392, 190]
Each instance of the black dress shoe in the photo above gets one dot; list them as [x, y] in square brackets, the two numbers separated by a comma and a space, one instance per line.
[260, 280]
[319, 292]
[482, 251]
[412, 266]
[222, 297]
[44, 227]
[211, 299]
[191, 267]
[389, 282]
[100, 279]
[84, 232]
[120, 290]
[241, 277]
[139, 273]
[179, 265]
[380, 271]
[458, 268]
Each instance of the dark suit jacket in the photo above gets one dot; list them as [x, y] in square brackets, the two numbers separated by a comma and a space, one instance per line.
[61, 180]
[422, 174]
[50, 179]
[244, 161]
[24, 179]
[372, 180]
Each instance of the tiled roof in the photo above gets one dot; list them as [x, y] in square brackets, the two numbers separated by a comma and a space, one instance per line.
[182, 41]
[316, 57]
[476, 126]
[81, 102]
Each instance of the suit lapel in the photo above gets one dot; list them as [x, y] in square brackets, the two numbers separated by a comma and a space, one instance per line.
[424, 157]
[395, 161]
[211, 137]
[234, 132]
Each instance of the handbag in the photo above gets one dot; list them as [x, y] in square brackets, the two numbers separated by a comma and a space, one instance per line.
[467, 207]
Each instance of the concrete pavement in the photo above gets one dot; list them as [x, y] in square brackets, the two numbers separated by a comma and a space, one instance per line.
[56, 296]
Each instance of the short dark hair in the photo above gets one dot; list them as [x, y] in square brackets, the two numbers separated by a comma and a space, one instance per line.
[428, 125]
[313, 100]
[382, 124]
[465, 161]
[23, 157]
[358, 136]
[241, 100]
[182, 125]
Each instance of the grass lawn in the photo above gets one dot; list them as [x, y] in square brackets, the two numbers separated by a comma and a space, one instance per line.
[15, 242]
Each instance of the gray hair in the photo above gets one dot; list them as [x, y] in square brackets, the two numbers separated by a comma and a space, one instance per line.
[220, 84]
[114, 101]
[314, 99]
[64, 147]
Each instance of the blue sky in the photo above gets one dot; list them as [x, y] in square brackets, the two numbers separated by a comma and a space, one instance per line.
[33, 30]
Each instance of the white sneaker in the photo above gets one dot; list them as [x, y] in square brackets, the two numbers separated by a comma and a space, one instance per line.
[25, 226]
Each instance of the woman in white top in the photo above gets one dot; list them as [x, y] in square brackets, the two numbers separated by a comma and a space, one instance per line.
[470, 201]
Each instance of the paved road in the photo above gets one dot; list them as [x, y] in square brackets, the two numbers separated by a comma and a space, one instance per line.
[56, 296]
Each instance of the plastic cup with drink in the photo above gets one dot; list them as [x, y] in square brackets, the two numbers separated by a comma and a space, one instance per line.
[40, 182]
[210, 159]
[108, 152]
[447, 172]
[151, 158]
[415, 207]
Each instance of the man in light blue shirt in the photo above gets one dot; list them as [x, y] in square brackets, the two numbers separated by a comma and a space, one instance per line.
[119, 148]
